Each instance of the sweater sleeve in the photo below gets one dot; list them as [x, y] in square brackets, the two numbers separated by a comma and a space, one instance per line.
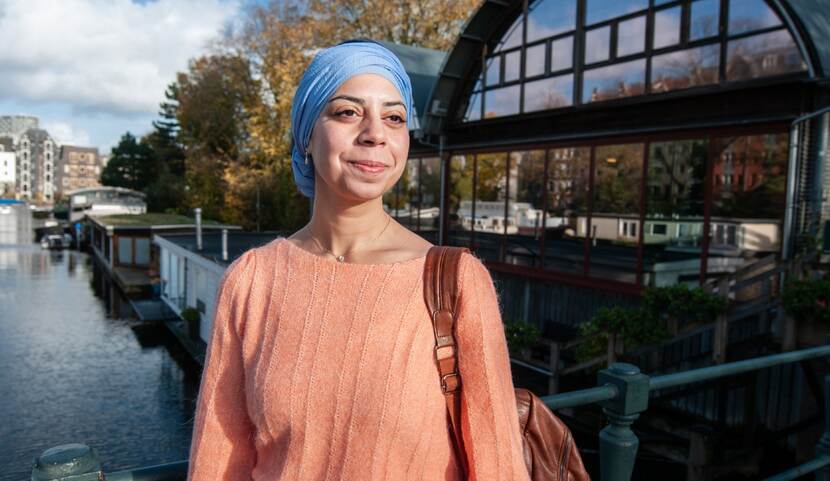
[489, 418]
[222, 448]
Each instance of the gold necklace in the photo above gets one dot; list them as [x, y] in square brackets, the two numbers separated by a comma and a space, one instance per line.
[342, 257]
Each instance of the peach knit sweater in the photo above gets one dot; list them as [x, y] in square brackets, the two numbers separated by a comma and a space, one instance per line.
[319, 370]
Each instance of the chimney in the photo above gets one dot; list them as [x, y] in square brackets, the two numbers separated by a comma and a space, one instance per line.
[224, 244]
[198, 212]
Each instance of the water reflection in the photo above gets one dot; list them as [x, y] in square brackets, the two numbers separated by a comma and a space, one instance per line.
[72, 374]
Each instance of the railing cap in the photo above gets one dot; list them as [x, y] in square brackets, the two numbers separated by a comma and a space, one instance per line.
[65, 461]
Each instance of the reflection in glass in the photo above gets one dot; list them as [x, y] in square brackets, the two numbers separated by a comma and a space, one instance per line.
[493, 70]
[407, 198]
[748, 194]
[561, 53]
[525, 208]
[685, 68]
[615, 216]
[429, 215]
[512, 65]
[474, 108]
[704, 19]
[392, 201]
[597, 44]
[535, 60]
[567, 208]
[631, 36]
[614, 81]
[772, 53]
[546, 18]
[667, 27]
[549, 93]
[501, 102]
[748, 15]
[460, 198]
[512, 38]
[599, 10]
[489, 220]
[674, 212]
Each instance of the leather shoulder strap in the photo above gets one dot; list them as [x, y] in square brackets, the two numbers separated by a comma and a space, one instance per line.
[441, 271]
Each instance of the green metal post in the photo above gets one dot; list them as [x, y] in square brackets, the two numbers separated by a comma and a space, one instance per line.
[823, 447]
[617, 442]
[75, 462]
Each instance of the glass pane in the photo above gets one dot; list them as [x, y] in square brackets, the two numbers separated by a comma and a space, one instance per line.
[615, 216]
[748, 15]
[407, 215]
[474, 108]
[561, 53]
[125, 250]
[631, 36]
[597, 44]
[392, 201]
[512, 65]
[599, 10]
[614, 81]
[525, 208]
[512, 38]
[429, 215]
[567, 209]
[549, 93]
[488, 217]
[667, 27]
[535, 60]
[748, 198]
[500, 102]
[772, 53]
[493, 70]
[686, 68]
[704, 19]
[460, 200]
[674, 212]
[142, 251]
[546, 18]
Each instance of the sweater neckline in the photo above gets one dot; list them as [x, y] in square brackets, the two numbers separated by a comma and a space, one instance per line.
[305, 253]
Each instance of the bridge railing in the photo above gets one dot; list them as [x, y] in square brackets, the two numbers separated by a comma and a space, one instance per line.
[622, 391]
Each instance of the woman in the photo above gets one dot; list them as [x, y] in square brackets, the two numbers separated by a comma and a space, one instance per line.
[321, 362]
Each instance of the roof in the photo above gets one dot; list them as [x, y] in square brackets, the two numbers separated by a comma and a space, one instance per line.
[119, 190]
[153, 221]
[423, 66]
[238, 243]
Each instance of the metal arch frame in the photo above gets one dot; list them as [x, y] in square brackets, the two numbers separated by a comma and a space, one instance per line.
[493, 15]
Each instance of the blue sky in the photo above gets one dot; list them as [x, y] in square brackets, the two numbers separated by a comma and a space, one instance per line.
[92, 70]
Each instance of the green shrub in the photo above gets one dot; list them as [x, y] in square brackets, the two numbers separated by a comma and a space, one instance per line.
[190, 314]
[520, 335]
[808, 300]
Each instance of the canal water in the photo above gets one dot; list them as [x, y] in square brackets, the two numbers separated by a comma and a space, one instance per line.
[73, 370]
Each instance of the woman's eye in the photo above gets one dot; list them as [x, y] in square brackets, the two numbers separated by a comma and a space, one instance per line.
[397, 119]
[346, 113]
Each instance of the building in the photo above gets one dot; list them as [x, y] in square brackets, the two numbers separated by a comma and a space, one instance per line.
[77, 168]
[101, 201]
[651, 137]
[14, 126]
[36, 157]
[7, 173]
[190, 276]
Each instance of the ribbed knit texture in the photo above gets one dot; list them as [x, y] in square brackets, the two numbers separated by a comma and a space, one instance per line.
[318, 370]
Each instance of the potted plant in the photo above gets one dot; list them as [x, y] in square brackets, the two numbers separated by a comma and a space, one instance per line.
[192, 317]
[808, 302]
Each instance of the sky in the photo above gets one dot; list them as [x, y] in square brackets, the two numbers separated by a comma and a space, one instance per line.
[92, 70]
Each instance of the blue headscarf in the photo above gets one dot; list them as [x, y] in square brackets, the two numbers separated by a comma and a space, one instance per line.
[329, 69]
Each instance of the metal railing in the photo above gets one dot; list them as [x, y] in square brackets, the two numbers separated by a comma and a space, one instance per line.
[622, 391]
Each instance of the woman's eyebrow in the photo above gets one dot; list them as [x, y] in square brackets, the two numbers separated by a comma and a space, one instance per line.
[360, 101]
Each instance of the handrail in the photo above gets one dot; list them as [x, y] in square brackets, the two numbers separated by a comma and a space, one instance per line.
[175, 471]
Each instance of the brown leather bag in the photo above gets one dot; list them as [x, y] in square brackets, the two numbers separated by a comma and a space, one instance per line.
[550, 453]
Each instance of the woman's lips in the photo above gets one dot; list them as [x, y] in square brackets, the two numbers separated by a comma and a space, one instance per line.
[368, 166]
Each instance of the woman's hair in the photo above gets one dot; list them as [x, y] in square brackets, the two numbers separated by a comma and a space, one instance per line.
[329, 69]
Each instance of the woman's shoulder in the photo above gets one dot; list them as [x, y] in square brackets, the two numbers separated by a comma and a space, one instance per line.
[252, 261]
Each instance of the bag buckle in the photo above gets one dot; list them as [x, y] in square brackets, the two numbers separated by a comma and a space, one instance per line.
[450, 382]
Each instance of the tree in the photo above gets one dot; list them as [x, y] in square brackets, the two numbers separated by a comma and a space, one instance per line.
[130, 166]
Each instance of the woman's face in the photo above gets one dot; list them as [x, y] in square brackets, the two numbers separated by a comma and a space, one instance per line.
[360, 142]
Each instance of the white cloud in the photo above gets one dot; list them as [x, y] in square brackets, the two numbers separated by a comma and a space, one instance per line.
[106, 56]
[66, 134]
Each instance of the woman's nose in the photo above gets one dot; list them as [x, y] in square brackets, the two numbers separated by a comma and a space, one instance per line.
[372, 132]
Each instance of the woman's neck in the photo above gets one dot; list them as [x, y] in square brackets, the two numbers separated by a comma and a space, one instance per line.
[344, 227]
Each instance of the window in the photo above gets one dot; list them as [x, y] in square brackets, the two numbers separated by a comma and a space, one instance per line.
[685, 51]
[525, 208]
